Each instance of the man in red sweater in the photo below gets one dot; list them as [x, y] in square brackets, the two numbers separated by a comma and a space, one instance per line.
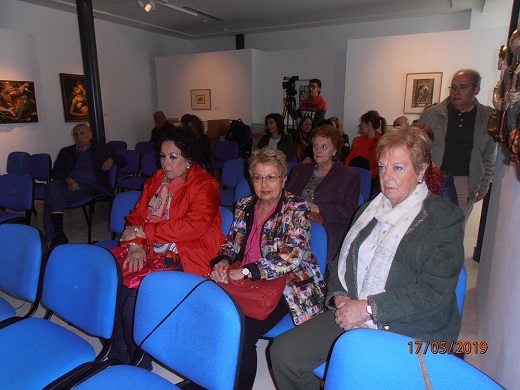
[314, 105]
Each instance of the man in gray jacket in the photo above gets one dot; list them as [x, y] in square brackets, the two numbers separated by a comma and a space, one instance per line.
[462, 146]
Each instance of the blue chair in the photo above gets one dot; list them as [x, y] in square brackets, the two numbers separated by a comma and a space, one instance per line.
[319, 242]
[197, 337]
[80, 285]
[366, 182]
[232, 172]
[243, 188]
[149, 164]
[460, 292]
[40, 166]
[144, 147]
[23, 261]
[131, 168]
[223, 151]
[227, 219]
[17, 162]
[291, 165]
[116, 146]
[377, 359]
[91, 201]
[16, 194]
[121, 207]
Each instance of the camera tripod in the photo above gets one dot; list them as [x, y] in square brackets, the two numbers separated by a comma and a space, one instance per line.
[289, 114]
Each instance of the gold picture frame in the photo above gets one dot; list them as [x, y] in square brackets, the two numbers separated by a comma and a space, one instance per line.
[422, 90]
[200, 99]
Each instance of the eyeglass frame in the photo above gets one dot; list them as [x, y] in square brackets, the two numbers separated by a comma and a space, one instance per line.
[461, 87]
[271, 178]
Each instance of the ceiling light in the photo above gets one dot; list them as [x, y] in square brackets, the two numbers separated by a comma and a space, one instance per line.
[150, 5]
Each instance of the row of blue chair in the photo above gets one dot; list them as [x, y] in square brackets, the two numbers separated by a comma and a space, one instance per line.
[187, 332]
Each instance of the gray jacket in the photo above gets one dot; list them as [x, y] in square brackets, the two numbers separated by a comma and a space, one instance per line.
[484, 152]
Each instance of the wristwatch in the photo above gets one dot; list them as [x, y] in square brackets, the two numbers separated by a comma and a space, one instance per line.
[369, 309]
[245, 272]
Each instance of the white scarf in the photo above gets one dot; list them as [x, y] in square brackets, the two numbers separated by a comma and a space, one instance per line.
[400, 218]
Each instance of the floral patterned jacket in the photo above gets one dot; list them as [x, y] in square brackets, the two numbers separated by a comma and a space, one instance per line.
[285, 249]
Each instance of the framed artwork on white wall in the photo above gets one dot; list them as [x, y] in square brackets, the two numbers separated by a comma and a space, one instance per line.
[422, 90]
[200, 99]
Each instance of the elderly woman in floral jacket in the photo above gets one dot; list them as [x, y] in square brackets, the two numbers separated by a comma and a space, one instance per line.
[270, 236]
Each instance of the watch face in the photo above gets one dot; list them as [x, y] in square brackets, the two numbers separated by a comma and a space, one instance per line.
[245, 271]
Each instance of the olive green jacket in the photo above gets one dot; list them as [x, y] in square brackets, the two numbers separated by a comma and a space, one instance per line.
[419, 299]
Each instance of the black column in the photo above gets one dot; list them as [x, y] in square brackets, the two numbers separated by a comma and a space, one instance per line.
[87, 38]
[239, 41]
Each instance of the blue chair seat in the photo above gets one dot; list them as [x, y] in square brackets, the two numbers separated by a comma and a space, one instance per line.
[283, 326]
[59, 351]
[320, 371]
[10, 217]
[126, 377]
[6, 310]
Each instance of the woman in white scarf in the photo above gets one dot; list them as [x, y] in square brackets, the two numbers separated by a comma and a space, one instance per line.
[397, 269]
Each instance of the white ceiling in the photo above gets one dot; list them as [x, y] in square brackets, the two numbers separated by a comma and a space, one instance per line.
[249, 16]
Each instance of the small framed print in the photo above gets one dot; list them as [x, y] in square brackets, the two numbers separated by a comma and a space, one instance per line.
[422, 90]
[74, 96]
[200, 99]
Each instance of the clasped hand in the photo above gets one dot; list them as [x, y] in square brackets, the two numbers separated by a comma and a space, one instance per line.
[220, 273]
[350, 313]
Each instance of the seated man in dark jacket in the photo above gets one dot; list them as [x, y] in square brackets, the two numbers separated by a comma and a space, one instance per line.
[80, 171]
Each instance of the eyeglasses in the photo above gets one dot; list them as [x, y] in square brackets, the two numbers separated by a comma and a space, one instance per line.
[271, 178]
[313, 86]
[461, 87]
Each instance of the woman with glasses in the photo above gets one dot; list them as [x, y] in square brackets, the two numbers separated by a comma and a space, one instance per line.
[275, 136]
[331, 189]
[270, 236]
[302, 139]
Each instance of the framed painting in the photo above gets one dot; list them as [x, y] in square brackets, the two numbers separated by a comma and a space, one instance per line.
[422, 90]
[74, 96]
[17, 102]
[200, 99]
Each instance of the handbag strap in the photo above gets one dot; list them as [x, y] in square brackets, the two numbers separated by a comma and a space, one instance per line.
[173, 310]
[424, 370]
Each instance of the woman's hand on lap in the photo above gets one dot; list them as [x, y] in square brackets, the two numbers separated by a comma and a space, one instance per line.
[136, 258]
[219, 273]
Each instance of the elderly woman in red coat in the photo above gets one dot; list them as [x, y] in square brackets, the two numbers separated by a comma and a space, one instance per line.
[176, 222]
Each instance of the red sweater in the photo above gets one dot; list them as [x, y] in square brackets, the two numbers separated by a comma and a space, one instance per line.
[195, 221]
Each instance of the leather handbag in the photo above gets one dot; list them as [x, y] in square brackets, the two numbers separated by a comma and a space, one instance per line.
[154, 262]
[257, 298]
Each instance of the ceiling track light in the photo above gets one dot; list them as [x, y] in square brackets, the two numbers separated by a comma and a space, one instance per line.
[148, 6]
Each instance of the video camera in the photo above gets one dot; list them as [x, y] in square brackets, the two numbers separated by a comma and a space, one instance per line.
[290, 85]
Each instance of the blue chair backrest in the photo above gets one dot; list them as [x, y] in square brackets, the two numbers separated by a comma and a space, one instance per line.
[194, 332]
[243, 189]
[132, 162]
[81, 285]
[16, 191]
[319, 241]
[116, 146]
[225, 150]
[21, 260]
[123, 204]
[366, 182]
[40, 166]
[17, 162]
[227, 219]
[290, 166]
[460, 290]
[145, 147]
[150, 163]
[352, 364]
[233, 171]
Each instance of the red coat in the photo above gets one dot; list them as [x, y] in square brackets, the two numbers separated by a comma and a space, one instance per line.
[195, 221]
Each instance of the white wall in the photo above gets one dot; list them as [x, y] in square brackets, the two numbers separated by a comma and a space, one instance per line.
[228, 74]
[498, 285]
[38, 43]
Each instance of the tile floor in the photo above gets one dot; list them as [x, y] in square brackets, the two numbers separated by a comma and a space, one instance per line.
[77, 233]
